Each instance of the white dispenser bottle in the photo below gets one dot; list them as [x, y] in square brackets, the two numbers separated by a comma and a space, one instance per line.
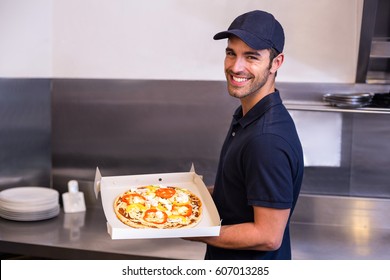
[73, 199]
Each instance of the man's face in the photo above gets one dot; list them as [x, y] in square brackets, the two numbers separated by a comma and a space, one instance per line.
[246, 69]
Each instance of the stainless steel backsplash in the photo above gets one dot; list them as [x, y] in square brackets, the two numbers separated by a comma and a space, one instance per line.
[25, 132]
[52, 131]
[129, 127]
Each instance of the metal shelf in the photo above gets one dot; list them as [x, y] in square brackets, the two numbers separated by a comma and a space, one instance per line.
[380, 48]
[328, 108]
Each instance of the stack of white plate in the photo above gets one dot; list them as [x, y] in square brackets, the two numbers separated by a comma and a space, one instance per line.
[29, 203]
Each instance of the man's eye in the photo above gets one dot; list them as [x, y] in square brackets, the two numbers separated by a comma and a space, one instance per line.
[252, 57]
[229, 54]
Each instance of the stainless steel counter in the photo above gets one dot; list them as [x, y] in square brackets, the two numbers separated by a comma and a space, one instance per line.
[325, 242]
[84, 236]
[322, 228]
[341, 227]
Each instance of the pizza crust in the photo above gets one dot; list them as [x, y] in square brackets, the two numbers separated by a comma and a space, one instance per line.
[136, 206]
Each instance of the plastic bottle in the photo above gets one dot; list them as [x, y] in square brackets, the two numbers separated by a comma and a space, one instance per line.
[73, 200]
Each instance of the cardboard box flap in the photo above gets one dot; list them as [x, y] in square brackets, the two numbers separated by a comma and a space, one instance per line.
[96, 184]
[192, 170]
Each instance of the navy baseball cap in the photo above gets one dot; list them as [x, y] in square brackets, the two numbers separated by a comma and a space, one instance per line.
[258, 29]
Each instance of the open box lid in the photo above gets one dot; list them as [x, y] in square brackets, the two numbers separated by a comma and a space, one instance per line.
[112, 186]
[98, 178]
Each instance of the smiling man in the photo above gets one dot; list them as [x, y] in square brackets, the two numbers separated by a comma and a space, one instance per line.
[261, 164]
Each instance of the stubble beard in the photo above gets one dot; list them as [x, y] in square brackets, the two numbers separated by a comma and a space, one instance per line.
[251, 88]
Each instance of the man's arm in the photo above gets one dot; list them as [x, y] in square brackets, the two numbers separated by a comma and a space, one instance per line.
[265, 233]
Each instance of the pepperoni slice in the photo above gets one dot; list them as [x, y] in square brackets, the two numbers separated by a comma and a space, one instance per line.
[165, 192]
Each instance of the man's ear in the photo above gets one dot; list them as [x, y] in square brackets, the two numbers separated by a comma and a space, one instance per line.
[277, 62]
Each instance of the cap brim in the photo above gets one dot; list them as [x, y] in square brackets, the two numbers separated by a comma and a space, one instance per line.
[249, 39]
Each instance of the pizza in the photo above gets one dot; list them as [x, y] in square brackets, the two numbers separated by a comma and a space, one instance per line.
[161, 207]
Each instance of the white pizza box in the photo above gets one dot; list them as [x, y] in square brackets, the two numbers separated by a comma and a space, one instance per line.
[112, 186]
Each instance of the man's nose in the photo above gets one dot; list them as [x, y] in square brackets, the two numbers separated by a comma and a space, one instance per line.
[238, 64]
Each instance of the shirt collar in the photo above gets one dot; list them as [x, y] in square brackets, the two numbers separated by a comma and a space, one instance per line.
[258, 110]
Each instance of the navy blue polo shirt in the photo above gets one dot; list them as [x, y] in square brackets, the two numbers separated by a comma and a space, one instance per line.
[261, 164]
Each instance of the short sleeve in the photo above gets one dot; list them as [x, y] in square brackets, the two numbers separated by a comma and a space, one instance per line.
[268, 172]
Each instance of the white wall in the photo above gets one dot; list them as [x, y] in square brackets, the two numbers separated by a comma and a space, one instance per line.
[25, 38]
[169, 39]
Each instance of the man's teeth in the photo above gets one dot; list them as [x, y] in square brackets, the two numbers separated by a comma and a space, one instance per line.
[239, 80]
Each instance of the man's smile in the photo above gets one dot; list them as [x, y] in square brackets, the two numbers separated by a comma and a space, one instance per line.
[237, 80]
